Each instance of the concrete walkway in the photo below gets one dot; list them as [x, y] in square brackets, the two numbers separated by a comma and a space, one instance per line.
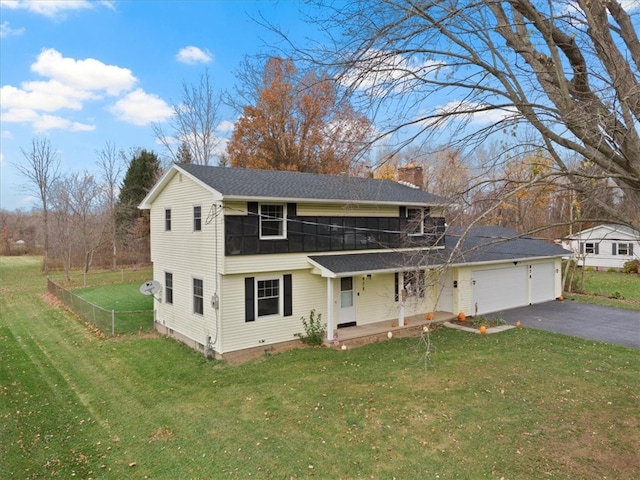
[593, 322]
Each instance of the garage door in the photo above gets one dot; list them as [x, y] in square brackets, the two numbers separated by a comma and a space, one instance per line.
[543, 282]
[500, 288]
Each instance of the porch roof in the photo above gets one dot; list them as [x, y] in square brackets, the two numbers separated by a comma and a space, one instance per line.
[480, 245]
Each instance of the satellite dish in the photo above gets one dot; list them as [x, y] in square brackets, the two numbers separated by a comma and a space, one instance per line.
[150, 288]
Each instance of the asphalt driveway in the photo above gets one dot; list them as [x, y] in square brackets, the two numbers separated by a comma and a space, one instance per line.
[593, 322]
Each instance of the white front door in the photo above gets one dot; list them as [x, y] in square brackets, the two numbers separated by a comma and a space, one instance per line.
[347, 312]
[445, 291]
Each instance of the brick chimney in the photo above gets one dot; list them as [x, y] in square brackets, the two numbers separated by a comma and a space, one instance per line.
[412, 174]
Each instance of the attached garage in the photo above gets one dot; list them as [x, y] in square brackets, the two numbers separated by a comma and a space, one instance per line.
[500, 288]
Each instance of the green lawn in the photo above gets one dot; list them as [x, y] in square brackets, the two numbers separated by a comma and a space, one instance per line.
[123, 296]
[610, 288]
[519, 404]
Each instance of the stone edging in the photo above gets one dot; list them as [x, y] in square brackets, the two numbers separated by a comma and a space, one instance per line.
[499, 328]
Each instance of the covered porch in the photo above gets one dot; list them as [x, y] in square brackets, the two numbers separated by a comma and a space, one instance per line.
[373, 332]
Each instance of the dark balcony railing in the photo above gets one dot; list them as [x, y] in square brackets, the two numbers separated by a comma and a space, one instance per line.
[323, 234]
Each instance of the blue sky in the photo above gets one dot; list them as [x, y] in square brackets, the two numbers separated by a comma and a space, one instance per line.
[82, 73]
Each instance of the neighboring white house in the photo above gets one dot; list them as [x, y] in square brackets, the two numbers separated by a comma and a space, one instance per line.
[243, 254]
[604, 246]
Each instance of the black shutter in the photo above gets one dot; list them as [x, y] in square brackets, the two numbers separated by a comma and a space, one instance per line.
[249, 299]
[631, 249]
[581, 247]
[395, 288]
[292, 209]
[403, 212]
[597, 248]
[288, 297]
[252, 208]
[421, 286]
[614, 249]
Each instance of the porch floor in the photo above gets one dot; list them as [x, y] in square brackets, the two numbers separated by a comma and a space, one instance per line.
[373, 332]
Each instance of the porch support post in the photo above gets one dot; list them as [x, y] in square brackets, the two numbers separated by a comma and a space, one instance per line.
[401, 298]
[329, 309]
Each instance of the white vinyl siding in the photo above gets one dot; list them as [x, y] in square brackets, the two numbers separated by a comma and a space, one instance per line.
[308, 292]
[186, 256]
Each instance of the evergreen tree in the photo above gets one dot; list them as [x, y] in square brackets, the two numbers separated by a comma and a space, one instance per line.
[144, 170]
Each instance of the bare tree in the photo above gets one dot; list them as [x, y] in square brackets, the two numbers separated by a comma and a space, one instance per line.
[79, 215]
[460, 71]
[193, 124]
[41, 171]
[111, 163]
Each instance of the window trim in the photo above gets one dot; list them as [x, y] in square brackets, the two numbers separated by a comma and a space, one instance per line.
[257, 298]
[422, 213]
[168, 288]
[591, 248]
[197, 219]
[194, 296]
[283, 221]
[167, 219]
[628, 249]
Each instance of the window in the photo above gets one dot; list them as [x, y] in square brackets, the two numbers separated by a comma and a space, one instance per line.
[590, 248]
[272, 221]
[167, 219]
[622, 248]
[268, 296]
[416, 221]
[413, 284]
[198, 296]
[168, 287]
[197, 218]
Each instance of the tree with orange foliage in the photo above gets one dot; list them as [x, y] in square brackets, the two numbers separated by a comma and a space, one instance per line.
[297, 123]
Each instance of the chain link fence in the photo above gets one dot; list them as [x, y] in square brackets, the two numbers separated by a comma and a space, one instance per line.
[110, 322]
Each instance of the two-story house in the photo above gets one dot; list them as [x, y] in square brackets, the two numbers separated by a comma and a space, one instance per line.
[243, 254]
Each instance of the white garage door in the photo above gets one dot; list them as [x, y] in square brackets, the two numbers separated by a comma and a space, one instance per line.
[500, 288]
[543, 282]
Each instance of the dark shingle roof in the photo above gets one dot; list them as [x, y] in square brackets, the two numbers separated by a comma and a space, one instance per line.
[251, 183]
[479, 245]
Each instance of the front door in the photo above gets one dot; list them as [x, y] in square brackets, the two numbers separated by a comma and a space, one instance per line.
[347, 314]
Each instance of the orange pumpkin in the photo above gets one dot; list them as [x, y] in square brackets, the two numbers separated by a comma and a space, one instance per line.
[406, 323]
[518, 324]
[430, 316]
[462, 317]
[483, 329]
[393, 324]
[560, 298]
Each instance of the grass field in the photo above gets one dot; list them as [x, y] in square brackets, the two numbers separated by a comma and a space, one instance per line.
[519, 404]
[611, 289]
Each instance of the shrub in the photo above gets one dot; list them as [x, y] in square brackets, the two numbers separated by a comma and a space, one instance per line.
[631, 266]
[314, 330]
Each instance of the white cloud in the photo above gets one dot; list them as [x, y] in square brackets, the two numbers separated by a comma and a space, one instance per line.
[225, 126]
[192, 55]
[7, 31]
[51, 122]
[87, 74]
[477, 113]
[69, 84]
[384, 72]
[52, 8]
[141, 108]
